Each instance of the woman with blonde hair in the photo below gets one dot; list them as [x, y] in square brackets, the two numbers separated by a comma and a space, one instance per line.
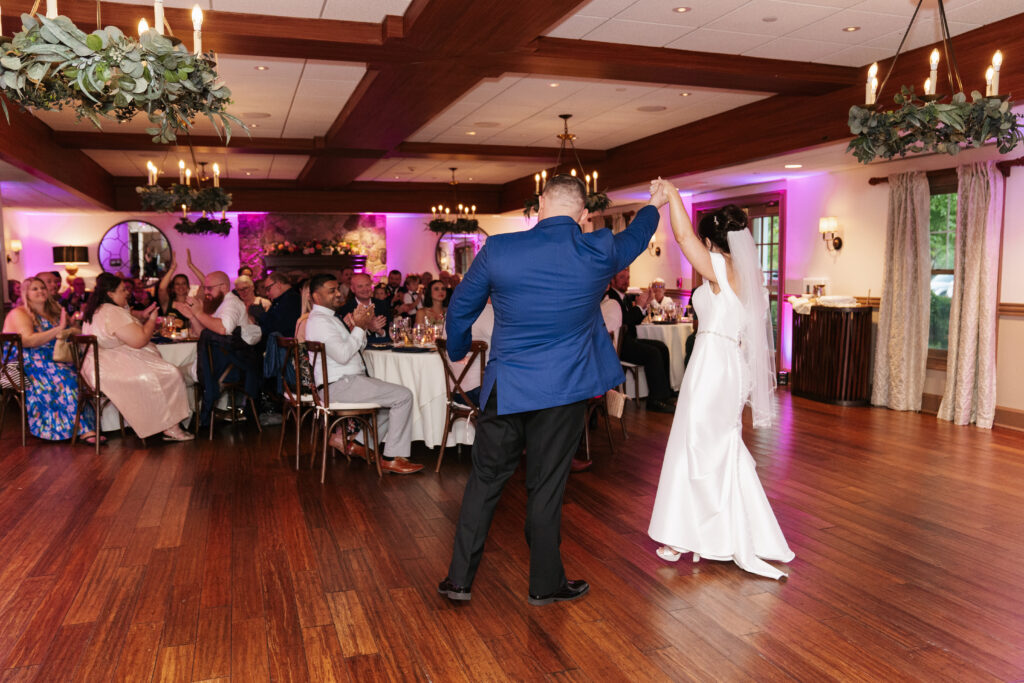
[52, 387]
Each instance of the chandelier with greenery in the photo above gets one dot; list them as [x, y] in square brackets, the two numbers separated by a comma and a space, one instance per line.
[595, 201]
[928, 122]
[463, 220]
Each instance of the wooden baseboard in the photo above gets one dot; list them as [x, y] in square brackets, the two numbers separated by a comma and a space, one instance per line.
[1010, 418]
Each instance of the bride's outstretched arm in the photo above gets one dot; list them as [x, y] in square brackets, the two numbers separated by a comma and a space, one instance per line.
[693, 249]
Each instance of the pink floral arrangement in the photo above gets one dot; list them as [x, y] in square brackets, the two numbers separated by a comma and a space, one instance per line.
[322, 247]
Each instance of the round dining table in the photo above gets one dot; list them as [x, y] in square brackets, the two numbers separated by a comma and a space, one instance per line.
[672, 335]
[421, 371]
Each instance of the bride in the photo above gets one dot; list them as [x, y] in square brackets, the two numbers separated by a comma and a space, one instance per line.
[710, 501]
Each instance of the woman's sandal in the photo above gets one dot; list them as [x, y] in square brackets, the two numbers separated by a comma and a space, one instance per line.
[91, 439]
[667, 553]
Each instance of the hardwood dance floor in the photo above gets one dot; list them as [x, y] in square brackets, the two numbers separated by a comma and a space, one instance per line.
[215, 560]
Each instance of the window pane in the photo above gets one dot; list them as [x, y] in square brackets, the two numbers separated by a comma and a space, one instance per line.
[942, 229]
[938, 328]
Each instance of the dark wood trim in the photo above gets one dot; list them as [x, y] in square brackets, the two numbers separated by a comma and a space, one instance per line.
[872, 301]
[645, 64]
[240, 144]
[937, 359]
[1011, 310]
[940, 181]
[1007, 418]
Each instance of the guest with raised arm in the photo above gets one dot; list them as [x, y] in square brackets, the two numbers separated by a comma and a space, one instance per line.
[173, 287]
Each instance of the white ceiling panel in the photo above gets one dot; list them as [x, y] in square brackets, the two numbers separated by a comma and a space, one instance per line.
[784, 17]
[722, 42]
[859, 55]
[872, 26]
[604, 8]
[576, 27]
[793, 49]
[983, 11]
[433, 171]
[637, 33]
[291, 8]
[702, 12]
[362, 10]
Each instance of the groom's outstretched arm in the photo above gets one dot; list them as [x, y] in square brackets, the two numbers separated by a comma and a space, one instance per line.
[468, 299]
[632, 241]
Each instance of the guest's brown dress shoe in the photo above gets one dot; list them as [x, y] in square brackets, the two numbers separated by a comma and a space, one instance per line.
[399, 466]
[353, 449]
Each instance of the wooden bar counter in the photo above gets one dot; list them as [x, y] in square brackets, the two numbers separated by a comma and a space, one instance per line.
[832, 355]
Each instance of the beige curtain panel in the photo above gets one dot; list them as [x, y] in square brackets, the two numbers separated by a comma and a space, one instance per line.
[902, 350]
[970, 394]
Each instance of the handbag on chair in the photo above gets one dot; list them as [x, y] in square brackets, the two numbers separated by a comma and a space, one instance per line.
[62, 349]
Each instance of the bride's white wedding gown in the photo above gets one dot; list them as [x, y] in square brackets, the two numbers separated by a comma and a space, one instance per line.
[710, 500]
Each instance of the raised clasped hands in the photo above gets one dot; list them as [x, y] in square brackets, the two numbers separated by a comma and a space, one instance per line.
[643, 298]
[663, 192]
[362, 317]
[63, 322]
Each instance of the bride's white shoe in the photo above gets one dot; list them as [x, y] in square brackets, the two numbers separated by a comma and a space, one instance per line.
[668, 553]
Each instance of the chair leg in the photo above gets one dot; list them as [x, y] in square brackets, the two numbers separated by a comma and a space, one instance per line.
[284, 423]
[444, 436]
[608, 428]
[74, 425]
[586, 433]
[197, 398]
[24, 420]
[255, 415]
[323, 452]
[376, 444]
[298, 435]
[99, 412]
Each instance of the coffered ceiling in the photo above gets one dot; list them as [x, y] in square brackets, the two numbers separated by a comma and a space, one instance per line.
[365, 105]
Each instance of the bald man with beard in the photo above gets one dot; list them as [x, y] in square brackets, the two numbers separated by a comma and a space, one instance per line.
[220, 309]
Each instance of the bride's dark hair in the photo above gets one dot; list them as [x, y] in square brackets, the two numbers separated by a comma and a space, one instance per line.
[717, 225]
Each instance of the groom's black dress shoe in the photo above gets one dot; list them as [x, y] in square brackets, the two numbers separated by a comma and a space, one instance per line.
[659, 407]
[570, 591]
[452, 590]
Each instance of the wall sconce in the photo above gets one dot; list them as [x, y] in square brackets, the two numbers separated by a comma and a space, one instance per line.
[71, 258]
[828, 226]
[653, 249]
[14, 253]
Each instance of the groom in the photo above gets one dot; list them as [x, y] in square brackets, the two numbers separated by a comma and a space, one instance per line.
[550, 353]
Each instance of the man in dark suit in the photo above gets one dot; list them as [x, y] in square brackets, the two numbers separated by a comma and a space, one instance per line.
[547, 358]
[650, 353]
[362, 295]
[285, 307]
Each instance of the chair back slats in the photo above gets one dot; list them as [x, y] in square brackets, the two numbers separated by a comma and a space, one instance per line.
[290, 384]
[85, 349]
[453, 382]
[12, 362]
[318, 358]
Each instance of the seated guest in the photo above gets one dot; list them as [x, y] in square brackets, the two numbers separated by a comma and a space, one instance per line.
[394, 283]
[139, 298]
[73, 299]
[245, 289]
[14, 292]
[380, 292]
[666, 306]
[285, 307]
[411, 299]
[345, 284]
[651, 354]
[362, 296]
[346, 374]
[220, 310]
[433, 309]
[246, 271]
[426, 277]
[173, 288]
[307, 306]
[148, 391]
[52, 388]
[51, 278]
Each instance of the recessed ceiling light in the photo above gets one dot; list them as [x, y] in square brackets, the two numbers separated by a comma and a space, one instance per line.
[681, 10]
[651, 107]
[253, 125]
[684, 94]
[851, 29]
[262, 67]
[552, 85]
[248, 173]
[769, 20]
[469, 178]
[794, 166]
[396, 177]
[470, 132]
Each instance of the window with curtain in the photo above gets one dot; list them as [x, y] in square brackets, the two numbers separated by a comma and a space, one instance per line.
[942, 238]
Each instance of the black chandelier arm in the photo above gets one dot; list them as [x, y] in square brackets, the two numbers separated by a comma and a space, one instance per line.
[899, 49]
[952, 69]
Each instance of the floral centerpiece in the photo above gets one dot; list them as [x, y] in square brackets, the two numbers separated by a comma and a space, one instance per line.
[311, 247]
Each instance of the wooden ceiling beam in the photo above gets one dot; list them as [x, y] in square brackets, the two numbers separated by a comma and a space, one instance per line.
[210, 144]
[540, 155]
[288, 197]
[27, 143]
[641, 64]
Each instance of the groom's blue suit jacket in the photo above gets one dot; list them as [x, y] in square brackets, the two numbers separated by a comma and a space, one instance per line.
[549, 346]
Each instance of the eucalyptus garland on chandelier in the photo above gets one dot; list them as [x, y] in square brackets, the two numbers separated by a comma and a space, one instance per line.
[206, 199]
[51, 64]
[932, 126]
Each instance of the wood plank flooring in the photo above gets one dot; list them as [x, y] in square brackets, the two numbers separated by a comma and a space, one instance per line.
[217, 561]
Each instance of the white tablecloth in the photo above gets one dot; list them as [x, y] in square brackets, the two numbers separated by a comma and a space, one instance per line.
[182, 355]
[674, 337]
[423, 375]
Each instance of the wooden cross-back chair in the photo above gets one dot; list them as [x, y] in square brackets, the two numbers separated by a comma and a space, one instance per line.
[330, 413]
[458, 403]
[85, 349]
[297, 402]
[13, 381]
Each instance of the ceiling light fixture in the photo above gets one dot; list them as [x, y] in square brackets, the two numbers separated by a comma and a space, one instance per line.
[595, 202]
[470, 132]
[851, 29]
[464, 221]
[552, 85]
[261, 67]
[793, 166]
[681, 10]
[684, 94]
[923, 123]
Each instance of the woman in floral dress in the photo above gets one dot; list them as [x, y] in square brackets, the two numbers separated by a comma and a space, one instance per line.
[52, 388]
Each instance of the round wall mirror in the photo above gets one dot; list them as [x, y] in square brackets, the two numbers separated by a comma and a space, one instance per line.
[455, 251]
[135, 249]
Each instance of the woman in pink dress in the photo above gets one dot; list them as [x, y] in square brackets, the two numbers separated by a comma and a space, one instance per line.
[148, 391]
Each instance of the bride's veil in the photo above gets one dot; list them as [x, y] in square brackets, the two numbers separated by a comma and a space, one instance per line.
[756, 334]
